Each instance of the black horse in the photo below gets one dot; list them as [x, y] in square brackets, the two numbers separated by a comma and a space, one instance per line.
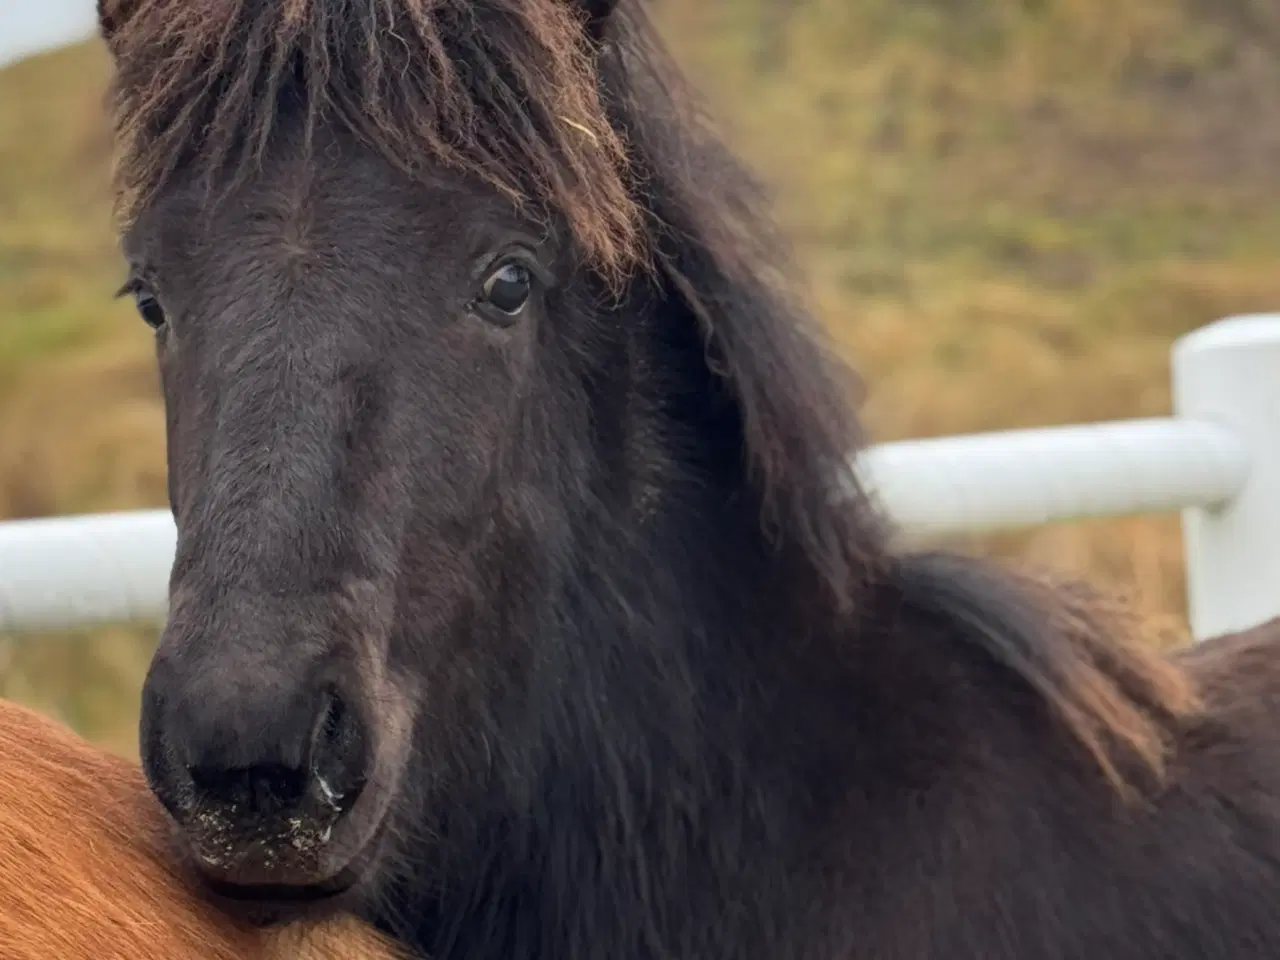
[515, 606]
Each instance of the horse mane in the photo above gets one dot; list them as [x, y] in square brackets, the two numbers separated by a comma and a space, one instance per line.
[1091, 661]
[85, 873]
[598, 129]
[1077, 650]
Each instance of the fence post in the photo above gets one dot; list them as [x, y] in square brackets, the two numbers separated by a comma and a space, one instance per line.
[1229, 372]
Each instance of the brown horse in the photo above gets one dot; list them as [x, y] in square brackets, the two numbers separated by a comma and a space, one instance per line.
[86, 872]
[514, 604]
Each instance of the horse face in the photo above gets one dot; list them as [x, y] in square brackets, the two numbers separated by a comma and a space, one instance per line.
[345, 358]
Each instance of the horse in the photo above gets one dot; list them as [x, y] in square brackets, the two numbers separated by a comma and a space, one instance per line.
[524, 602]
[87, 873]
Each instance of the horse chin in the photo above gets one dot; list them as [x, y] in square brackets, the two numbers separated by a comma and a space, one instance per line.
[269, 905]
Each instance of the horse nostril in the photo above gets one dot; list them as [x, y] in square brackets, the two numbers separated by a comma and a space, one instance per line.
[331, 725]
[267, 789]
[338, 752]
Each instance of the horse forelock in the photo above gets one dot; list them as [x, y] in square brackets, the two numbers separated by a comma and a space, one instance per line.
[506, 91]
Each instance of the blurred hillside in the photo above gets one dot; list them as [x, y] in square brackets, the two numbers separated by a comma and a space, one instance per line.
[1007, 208]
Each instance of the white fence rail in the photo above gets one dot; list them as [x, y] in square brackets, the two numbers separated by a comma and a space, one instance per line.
[1217, 459]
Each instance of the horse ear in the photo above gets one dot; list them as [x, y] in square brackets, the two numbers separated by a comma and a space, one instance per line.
[112, 15]
[597, 13]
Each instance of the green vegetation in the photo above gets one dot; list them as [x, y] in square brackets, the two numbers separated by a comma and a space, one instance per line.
[1007, 210]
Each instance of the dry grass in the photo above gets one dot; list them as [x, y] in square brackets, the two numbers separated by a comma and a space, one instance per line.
[1007, 208]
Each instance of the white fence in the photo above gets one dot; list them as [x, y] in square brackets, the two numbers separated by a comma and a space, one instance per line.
[1217, 459]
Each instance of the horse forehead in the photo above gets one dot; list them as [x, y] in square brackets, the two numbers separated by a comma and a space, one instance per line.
[341, 217]
[332, 201]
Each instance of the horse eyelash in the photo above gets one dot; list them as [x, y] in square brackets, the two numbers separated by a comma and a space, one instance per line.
[128, 288]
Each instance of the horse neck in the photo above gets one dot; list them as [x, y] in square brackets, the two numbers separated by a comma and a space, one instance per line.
[647, 791]
[671, 641]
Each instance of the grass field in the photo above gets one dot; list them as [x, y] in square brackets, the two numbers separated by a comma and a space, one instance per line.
[1007, 210]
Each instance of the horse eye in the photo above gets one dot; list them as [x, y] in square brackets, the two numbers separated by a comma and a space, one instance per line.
[508, 288]
[149, 308]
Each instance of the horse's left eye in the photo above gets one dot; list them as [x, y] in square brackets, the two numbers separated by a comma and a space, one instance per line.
[149, 309]
[508, 288]
[145, 300]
